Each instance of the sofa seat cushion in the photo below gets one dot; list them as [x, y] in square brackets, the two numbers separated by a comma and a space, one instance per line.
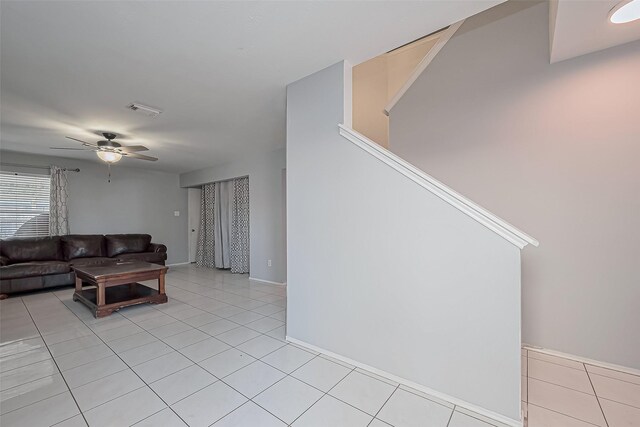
[83, 246]
[126, 243]
[97, 260]
[27, 249]
[153, 257]
[35, 268]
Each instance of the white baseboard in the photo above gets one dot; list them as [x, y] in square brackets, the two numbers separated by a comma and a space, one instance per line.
[267, 281]
[580, 359]
[438, 395]
[178, 263]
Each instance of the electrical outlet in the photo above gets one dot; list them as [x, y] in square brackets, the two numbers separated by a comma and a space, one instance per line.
[269, 263]
[176, 213]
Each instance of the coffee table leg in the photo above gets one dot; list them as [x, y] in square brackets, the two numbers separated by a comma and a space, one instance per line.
[161, 284]
[78, 284]
[100, 295]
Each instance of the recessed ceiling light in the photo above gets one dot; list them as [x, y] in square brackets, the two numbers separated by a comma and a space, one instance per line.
[625, 11]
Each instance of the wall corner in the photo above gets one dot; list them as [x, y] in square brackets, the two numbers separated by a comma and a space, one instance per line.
[348, 95]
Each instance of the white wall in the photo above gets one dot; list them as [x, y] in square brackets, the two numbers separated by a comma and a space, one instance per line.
[552, 148]
[376, 82]
[370, 87]
[266, 230]
[385, 273]
[135, 201]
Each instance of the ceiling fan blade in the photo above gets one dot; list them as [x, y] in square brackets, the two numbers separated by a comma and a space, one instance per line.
[133, 148]
[139, 156]
[89, 144]
[64, 148]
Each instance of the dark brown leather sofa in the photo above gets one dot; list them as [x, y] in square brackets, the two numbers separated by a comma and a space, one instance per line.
[44, 262]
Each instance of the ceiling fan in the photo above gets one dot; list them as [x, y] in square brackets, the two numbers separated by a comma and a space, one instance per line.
[110, 151]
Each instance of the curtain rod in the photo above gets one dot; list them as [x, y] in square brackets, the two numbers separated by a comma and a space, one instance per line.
[223, 180]
[36, 167]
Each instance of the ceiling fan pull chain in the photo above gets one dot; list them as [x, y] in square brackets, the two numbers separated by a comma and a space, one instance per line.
[109, 166]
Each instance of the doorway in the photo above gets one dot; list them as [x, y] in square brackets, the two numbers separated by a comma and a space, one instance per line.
[193, 196]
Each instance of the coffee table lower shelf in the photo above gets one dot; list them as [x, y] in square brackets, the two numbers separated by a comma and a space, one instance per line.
[117, 297]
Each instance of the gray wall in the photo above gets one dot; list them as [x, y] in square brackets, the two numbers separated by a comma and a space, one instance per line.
[266, 216]
[136, 200]
[383, 272]
[553, 149]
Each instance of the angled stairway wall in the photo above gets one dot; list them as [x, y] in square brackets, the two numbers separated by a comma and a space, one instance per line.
[553, 148]
[387, 273]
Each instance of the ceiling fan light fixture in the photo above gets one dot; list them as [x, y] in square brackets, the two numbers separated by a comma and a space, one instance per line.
[625, 11]
[109, 156]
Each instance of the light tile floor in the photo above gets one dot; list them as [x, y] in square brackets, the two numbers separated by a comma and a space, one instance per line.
[216, 355]
[559, 392]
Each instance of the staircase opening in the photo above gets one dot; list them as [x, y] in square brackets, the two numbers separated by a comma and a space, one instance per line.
[378, 80]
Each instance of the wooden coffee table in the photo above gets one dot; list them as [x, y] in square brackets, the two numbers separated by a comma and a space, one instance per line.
[115, 286]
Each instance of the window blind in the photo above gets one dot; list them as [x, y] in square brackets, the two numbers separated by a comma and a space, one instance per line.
[24, 205]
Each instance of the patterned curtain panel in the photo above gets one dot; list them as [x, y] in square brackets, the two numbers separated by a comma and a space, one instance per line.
[240, 226]
[205, 252]
[58, 209]
[223, 241]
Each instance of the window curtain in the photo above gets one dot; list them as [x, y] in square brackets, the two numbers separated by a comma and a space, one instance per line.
[58, 208]
[205, 251]
[223, 241]
[223, 218]
[240, 226]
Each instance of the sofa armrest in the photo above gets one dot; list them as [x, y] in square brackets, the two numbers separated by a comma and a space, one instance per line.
[157, 247]
[4, 260]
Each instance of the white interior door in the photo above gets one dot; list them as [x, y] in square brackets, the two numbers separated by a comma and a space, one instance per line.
[194, 221]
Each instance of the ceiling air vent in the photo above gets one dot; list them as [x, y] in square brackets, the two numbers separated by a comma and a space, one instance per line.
[144, 109]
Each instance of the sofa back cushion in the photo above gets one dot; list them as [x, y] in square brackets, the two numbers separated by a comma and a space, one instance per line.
[83, 246]
[126, 243]
[25, 249]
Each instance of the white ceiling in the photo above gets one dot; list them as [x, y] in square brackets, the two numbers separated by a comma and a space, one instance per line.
[582, 26]
[218, 69]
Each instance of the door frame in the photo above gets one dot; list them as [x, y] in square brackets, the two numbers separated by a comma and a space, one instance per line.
[193, 202]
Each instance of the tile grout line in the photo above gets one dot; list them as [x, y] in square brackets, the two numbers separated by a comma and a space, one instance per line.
[239, 344]
[451, 415]
[24, 351]
[614, 378]
[559, 385]
[290, 375]
[553, 410]
[220, 317]
[525, 422]
[327, 393]
[130, 368]
[555, 363]
[287, 374]
[231, 373]
[105, 343]
[57, 367]
[148, 385]
[324, 393]
[565, 415]
[385, 402]
[250, 399]
[597, 398]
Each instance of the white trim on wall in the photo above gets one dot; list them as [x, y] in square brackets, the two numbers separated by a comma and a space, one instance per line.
[267, 281]
[483, 216]
[442, 396]
[179, 263]
[581, 359]
[443, 38]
